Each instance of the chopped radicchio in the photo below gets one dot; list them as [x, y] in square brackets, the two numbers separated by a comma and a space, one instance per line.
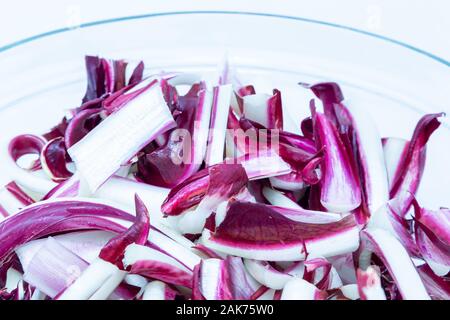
[173, 186]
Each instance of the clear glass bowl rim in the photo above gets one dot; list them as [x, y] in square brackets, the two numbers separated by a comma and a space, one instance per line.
[36, 37]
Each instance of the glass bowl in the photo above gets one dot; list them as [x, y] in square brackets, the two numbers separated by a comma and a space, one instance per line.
[395, 83]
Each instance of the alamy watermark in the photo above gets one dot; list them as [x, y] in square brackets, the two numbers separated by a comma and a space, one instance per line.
[187, 148]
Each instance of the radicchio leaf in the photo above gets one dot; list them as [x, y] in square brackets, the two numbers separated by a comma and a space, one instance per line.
[369, 285]
[396, 259]
[432, 234]
[155, 264]
[135, 123]
[26, 144]
[52, 217]
[54, 158]
[264, 109]
[158, 290]
[218, 124]
[19, 194]
[299, 289]
[340, 189]
[53, 268]
[138, 233]
[226, 280]
[213, 185]
[180, 157]
[256, 231]
[407, 177]
[108, 76]
[81, 124]
[438, 287]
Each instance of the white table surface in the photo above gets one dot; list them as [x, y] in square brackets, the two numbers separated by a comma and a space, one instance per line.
[420, 23]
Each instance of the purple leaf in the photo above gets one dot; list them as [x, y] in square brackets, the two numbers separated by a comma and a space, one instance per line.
[407, 177]
[54, 158]
[340, 188]
[256, 231]
[137, 233]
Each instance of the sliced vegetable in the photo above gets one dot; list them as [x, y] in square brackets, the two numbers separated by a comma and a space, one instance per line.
[255, 231]
[53, 268]
[340, 189]
[299, 289]
[289, 209]
[181, 186]
[370, 158]
[57, 216]
[218, 124]
[89, 282]
[389, 220]
[157, 290]
[207, 189]
[432, 234]
[24, 145]
[225, 280]
[262, 165]
[54, 160]
[225, 181]
[137, 233]
[104, 274]
[81, 124]
[12, 199]
[407, 177]
[292, 181]
[264, 109]
[107, 76]
[136, 123]
[66, 188]
[320, 272]
[123, 191]
[397, 261]
[394, 150]
[109, 286]
[154, 264]
[183, 152]
[369, 285]
[438, 287]
[267, 275]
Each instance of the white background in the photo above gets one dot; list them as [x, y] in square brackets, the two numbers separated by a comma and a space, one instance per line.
[421, 23]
